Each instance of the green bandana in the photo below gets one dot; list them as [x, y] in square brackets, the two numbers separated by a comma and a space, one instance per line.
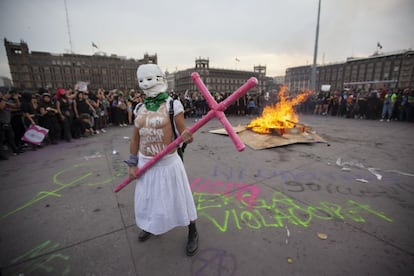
[153, 104]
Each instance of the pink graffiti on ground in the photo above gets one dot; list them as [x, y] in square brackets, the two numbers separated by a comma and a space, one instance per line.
[244, 192]
[216, 110]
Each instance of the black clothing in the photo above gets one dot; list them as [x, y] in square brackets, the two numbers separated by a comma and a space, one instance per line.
[50, 121]
[82, 107]
[66, 121]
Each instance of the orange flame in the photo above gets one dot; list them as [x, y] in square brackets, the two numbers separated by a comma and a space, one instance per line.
[280, 115]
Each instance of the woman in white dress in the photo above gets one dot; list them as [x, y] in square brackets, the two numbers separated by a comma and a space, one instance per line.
[163, 198]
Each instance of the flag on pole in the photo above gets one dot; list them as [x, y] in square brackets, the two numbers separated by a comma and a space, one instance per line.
[379, 45]
[94, 45]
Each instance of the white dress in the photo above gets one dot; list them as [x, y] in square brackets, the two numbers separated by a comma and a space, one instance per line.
[163, 198]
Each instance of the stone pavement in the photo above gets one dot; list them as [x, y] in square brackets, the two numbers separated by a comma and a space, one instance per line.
[304, 209]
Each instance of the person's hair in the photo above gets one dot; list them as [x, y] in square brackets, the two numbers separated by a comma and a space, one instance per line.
[77, 94]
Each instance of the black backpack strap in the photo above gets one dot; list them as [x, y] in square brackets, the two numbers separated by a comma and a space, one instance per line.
[171, 112]
[137, 107]
[172, 118]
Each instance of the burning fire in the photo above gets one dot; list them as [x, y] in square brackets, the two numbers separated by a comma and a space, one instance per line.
[278, 116]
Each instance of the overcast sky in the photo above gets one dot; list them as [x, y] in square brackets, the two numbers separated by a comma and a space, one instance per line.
[275, 33]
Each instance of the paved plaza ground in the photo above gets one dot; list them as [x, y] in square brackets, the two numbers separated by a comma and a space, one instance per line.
[303, 209]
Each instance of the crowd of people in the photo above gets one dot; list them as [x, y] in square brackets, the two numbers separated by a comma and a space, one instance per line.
[70, 114]
[384, 104]
[74, 113]
[195, 106]
[67, 114]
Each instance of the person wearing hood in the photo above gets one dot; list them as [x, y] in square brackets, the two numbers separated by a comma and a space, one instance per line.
[163, 198]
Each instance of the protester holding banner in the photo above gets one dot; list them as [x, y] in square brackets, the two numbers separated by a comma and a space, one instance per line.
[29, 108]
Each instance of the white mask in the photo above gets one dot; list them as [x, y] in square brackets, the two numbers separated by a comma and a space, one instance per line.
[151, 80]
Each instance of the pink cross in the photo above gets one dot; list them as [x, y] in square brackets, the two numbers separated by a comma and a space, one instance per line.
[216, 110]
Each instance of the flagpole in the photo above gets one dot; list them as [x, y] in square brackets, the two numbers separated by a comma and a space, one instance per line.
[315, 53]
[68, 26]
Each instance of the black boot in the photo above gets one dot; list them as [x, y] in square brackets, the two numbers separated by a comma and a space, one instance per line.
[144, 235]
[192, 243]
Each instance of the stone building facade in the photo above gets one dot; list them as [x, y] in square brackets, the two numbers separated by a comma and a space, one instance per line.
[33, 70]
[221, 81]
[385, 70]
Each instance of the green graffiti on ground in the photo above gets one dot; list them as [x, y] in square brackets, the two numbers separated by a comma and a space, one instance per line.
[44, 194]
[43, 263]
[61, 186]
[277, 212]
